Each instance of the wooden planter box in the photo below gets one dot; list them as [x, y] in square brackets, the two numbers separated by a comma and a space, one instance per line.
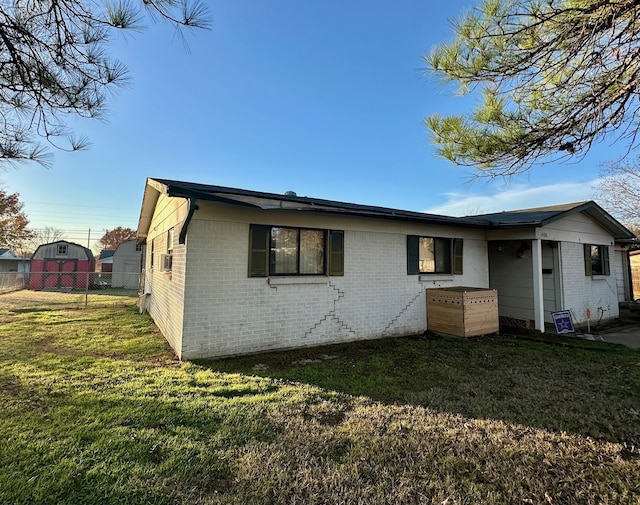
[462, 311]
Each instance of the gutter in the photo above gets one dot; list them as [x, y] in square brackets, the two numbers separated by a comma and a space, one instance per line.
[183, 231]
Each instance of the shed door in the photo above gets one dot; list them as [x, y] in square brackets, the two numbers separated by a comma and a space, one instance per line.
[59, 274]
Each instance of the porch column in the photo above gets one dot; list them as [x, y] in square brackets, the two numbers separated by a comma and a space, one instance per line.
[538, 289]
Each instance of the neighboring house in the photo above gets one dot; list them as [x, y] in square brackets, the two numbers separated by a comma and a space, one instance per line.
[61, 265]
[232, 271]
[104, 261]
[127, 265]
[13, 270]
[11, 262]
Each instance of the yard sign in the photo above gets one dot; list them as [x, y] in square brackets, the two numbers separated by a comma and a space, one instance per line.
[562, 322]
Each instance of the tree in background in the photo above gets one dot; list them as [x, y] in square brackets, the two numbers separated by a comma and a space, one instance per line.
[113, 238]
[554, 76]
[54, 64]
[41, 236]
[619, 191]
[13, 222]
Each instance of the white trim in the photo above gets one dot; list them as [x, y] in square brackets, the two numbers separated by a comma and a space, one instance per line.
[435, 277]
[538, 286]
[283, 281]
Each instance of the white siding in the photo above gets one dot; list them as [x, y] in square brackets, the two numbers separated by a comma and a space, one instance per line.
[577, 228]
[512, 277]
[227, 313]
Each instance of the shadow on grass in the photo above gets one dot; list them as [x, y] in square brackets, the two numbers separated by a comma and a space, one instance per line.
[148, 443]
[27, 310]
[98, 411]
[560, 384]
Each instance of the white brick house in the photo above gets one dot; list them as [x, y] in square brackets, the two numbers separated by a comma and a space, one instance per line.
[231, 271]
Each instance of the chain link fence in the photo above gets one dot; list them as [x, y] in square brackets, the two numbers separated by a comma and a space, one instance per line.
[20, 291]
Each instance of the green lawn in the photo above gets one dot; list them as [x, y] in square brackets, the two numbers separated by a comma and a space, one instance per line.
[95, 409]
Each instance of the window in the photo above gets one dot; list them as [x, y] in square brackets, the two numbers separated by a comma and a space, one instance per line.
[276, 250]
[63, 249]
[138, 247]
[170, 241]
[434, 255]
[596, 260]
[166, 263]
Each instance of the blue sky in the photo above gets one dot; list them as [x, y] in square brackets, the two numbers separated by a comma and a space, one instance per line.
[323, 98]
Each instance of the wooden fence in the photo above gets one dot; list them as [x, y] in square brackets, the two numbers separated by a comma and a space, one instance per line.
[635, 275]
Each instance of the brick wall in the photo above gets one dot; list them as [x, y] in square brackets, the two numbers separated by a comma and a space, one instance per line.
[583, 292]
[166, 301]
[227, 313]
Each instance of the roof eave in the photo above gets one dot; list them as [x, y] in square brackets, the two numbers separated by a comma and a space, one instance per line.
[590, 208]
[599, 215]
[177, 189]
[152, 191]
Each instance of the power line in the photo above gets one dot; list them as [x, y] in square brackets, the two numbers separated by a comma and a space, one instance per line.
[80, 205]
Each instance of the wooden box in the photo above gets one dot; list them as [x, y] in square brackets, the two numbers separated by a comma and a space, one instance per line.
[462, 311]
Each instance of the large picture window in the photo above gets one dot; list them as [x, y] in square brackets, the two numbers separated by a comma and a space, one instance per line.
[434, 255]
[296, 251]
[277, 250]
[596, 260]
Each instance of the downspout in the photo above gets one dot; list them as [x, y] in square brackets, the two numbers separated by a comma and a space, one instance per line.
[183, 231]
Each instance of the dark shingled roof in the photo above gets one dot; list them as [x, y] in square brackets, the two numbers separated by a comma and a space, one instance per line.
[529, 217]
[525, 218]
[104, 254]
[274, 201]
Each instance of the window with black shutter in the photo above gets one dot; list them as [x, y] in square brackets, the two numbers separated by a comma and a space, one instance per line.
[433, 255]
[281, 250]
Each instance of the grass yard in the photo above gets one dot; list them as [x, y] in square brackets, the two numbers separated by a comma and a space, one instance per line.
[95, 409]
[25, 300]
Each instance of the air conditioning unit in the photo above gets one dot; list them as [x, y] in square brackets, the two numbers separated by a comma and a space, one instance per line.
[166, 262]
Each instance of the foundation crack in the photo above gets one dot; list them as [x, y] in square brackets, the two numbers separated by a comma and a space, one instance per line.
[332, 314]
[406, 307]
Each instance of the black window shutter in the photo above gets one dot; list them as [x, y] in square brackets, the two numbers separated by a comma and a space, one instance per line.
[413, 255]
[259, 250]
[587, 260]
[457, 256]
[336, 252]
